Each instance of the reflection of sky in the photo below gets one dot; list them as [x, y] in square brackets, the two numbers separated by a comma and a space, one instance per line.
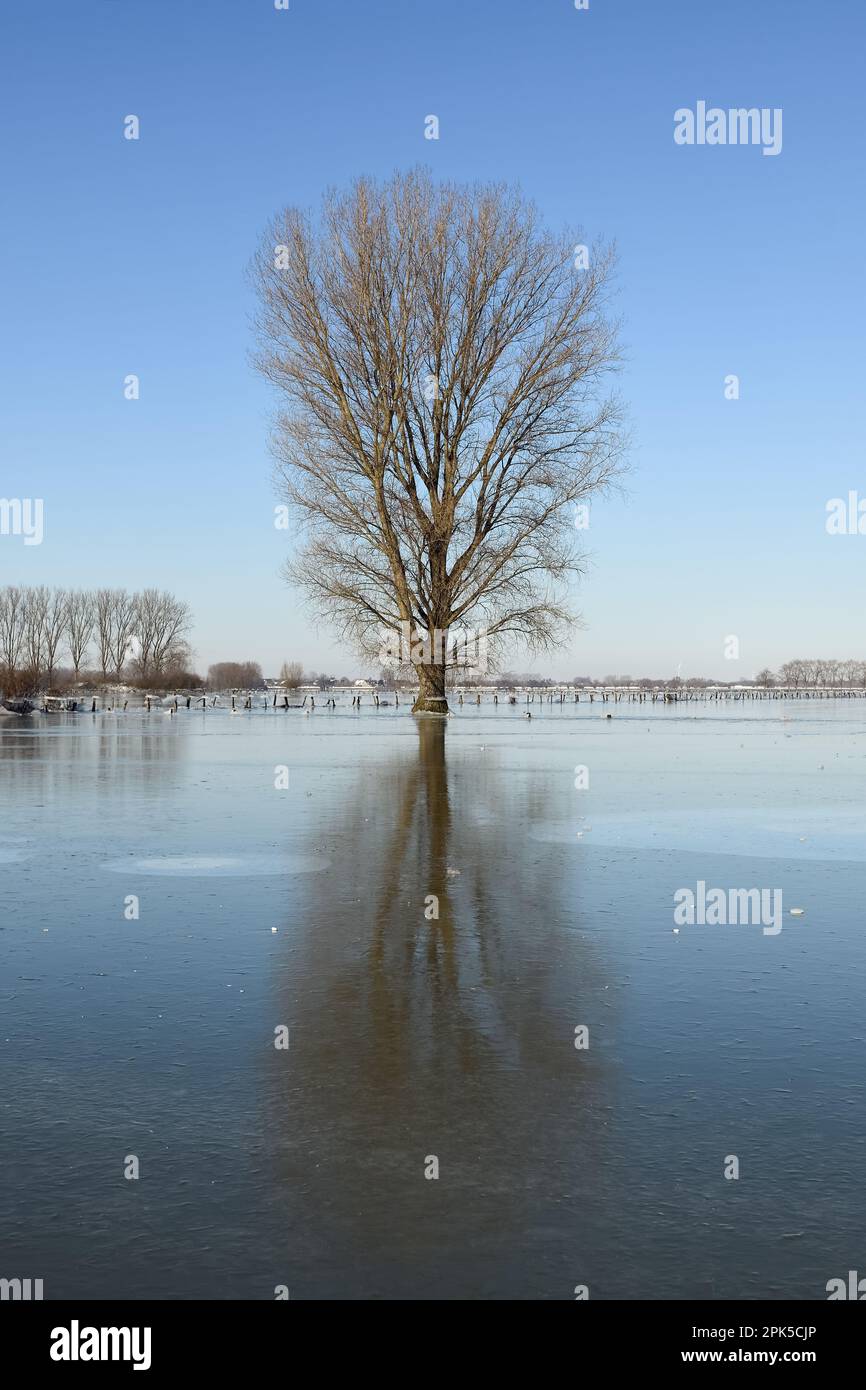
[14, 848]
[808, 833]
[219, 866]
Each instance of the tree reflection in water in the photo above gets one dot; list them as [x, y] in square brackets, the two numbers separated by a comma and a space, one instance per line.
[451, 1037]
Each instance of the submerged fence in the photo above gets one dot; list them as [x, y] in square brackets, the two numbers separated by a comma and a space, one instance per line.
[371, 697]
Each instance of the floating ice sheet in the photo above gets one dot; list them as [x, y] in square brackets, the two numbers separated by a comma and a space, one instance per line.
[220, 865]
[810, 832]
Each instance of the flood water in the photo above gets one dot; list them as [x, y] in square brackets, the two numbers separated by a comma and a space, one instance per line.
[413, 1037]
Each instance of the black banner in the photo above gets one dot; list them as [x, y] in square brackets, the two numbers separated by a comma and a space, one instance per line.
[159, 1339]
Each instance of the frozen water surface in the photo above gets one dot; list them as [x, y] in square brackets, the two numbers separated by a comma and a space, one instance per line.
[219, 866]
[154, 1035]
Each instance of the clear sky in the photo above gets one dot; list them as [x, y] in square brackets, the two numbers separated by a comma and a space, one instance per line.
[123, 256]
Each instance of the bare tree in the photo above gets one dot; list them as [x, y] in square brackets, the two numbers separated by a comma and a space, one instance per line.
[146, 620]
[291, 674]
[162, 622]
[104, 628]
[793, 673]
[235, 675]
[123, 621]
[172, 622]
[11, 626]
[851, 673]
[80, 622]
[442, 362]
[115, 627]
[55, 628]
[36, 603]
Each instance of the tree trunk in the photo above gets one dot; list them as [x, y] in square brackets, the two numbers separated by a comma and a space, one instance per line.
[431, 690]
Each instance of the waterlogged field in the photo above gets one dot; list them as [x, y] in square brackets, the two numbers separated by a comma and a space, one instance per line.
[437, 950]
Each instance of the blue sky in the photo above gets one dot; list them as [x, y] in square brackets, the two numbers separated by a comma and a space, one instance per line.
[129, 257]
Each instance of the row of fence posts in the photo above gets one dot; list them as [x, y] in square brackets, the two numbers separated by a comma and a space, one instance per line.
[558, 695]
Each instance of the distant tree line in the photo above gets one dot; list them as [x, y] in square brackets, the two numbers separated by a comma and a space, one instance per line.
[835, 674]
[817, 671]
[247, 675]
[235, 675]
[111, 634]
[839, 674]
